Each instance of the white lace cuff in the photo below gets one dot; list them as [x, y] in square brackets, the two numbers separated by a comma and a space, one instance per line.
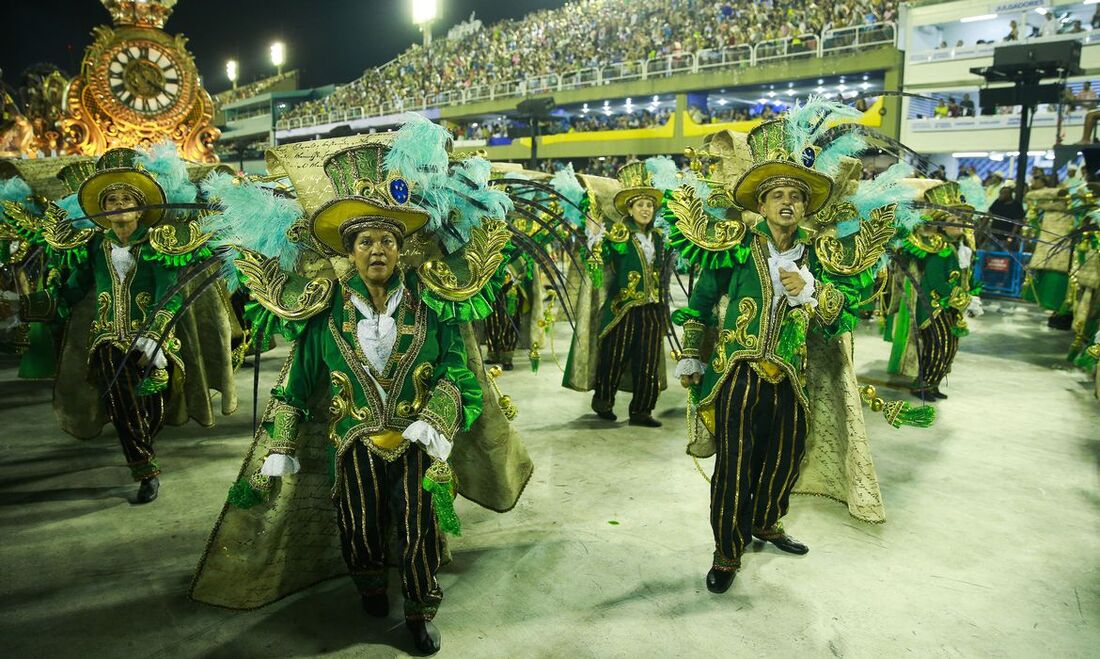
[277, 465]
[975, 309]
[689, 366]
[807, 294]
[433, 441]
[148, 347]
[966, 255]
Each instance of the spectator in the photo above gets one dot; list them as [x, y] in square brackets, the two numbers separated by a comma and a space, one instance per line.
[1075, 28]
[1095, 23]
[953, 109]
[1050, 26]
[1013, 32]
[940, 111]
[1087, 93]
[1004, 227]
[942, 46]
[967, 106]
[959, 43]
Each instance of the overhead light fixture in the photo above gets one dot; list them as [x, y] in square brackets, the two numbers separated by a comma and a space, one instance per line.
[629, 101]
[864, 76]
[820, 90]
[771, 94]
[820, 81]
[790, 92]
[656, 98]
[722, 101]
[975, 19]
[970, 154]
[865, 85]
[761, 100]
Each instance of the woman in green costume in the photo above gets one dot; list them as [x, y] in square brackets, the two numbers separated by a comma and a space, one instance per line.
[133, 285]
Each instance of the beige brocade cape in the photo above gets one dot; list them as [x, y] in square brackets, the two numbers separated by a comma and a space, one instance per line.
[258, 555]
[205, 330]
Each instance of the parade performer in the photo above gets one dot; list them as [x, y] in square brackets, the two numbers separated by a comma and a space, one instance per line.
[632, 300]
[941, 257]
[384, 403]
[749, 403]
[1084, 281]
[1047, 277]
[124, 351]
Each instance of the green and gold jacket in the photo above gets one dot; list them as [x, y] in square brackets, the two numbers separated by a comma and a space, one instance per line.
[944, 284]
[634, 282]
[776, 347]
[123, 304]
[426, 377]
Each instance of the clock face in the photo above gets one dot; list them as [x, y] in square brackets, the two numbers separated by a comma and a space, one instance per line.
[145, 78]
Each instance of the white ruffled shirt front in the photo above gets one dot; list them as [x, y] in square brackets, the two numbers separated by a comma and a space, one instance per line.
[376, 333]
[123, 261]
[649, 250]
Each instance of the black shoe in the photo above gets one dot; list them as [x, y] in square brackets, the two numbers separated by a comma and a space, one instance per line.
[377, 605]
[924, 395]
[788, 544]
[425, 636]
[148, 490]
[508, 366]
[644, 420]
[719, 581]
[938, 394]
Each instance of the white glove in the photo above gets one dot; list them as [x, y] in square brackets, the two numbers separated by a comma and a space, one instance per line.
[966, 255]
[433, 441]
[974, 309]
[278, 464]
[807, 294]
[148, 347]
[12, 303]
[689, 366]
[595, 235]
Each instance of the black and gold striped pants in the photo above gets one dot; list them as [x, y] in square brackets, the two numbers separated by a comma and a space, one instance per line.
[501, 330]
[379, 500]
[137, 419]
[938, 346]
[635, 339]
[760, 433]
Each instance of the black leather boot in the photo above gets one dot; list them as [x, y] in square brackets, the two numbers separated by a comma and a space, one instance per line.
[787, 543]
[425, 636]
[644, 420]
[719, 581]
[148, 490]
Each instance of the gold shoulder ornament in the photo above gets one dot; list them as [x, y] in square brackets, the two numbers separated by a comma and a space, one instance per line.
[287, 298]
[870, 244]
[692, 220]
[482, 256]
[166, 238]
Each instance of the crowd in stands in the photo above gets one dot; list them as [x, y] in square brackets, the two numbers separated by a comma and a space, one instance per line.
[950, 107]
[588, 34]
[251, 89]
[1050, 25]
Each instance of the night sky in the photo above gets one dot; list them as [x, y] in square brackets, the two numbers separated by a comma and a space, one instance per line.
[327, 40]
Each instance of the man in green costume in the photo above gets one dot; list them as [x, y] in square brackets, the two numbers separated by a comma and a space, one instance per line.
[941, 260]
[751, 396]
[634, 315]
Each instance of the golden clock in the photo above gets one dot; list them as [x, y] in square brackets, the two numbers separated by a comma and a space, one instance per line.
[137, 86]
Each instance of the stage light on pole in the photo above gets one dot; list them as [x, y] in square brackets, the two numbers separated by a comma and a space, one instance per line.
[278, 56]
[424, 13]
[231, 72]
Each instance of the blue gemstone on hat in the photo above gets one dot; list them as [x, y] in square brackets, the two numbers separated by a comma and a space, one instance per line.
[808, 156]
[399, 190]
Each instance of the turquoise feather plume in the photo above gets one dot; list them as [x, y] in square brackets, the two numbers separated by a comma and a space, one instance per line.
[72, 209]
[164, 163]
[15, 189]
[469, 200]
[889, 187]
[419, 152]
[665, 173]
[565, 183]
[251, 216]
[972, 190]
[807, 122]
[847, 145]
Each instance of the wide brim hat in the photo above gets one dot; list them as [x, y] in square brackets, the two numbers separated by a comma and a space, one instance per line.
[88, 196]
[332, 220]
[624, 197]
[745, 191]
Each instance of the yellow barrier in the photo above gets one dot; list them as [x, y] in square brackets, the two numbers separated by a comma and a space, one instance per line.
[668, 131]
[871, 117]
